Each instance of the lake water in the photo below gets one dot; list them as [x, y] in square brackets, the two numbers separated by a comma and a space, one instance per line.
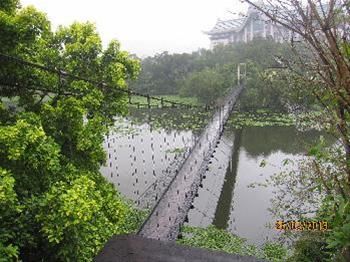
[141, 160]
[227, 200]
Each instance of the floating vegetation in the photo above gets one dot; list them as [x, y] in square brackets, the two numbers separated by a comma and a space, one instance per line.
[304, 121]
[221, 240]
[122, 127]
[260, 118]
[317, 120]
[176, 150]
[171, 119]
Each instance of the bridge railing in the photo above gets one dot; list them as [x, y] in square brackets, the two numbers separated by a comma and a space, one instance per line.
[170, 212]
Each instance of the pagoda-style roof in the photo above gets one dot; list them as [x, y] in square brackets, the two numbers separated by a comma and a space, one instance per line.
[226, 26]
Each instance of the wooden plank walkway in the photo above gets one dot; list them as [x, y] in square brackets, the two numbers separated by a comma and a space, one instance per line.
[171, 210]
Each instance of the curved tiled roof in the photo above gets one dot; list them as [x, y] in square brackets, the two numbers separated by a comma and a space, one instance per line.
[235, 25]
[224, 26]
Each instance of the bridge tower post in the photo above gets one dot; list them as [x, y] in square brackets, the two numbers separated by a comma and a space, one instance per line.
[240, 74]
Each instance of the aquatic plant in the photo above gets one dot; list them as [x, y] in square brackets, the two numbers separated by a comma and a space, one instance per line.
[259, 118]
[221, 240]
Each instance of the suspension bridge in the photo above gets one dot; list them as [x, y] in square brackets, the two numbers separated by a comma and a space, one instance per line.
[170, 212]
[172, 204]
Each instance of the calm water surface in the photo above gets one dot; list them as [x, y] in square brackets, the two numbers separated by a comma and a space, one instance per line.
[140, 160]
[227, 201]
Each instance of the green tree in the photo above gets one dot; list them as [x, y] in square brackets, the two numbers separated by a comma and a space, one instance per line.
[161, 73]
[207, 85]
[167, 73]
[54, 203]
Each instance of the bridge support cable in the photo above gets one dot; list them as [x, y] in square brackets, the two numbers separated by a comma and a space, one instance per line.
[170, 212]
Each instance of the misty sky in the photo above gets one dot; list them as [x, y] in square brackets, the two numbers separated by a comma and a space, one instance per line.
[144, 27]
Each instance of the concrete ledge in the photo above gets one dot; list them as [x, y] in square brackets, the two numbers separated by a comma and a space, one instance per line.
[133, 248]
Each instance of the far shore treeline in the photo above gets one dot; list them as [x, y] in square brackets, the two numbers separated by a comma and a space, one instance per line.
[207, 74]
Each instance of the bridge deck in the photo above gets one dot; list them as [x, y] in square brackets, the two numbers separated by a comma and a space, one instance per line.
[170, 212]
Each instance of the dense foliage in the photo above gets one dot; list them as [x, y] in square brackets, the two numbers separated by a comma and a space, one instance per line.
[206, 85]
[206, 74]
[54, 204]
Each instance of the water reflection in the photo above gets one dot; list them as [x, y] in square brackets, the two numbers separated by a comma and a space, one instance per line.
[222, 213]
[265, 141]
[143, 154]
[240, 209]
[142, 158]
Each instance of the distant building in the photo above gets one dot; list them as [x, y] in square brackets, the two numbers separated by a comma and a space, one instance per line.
[254, 24]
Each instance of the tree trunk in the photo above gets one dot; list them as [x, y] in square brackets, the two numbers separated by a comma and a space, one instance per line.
[344, 134]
